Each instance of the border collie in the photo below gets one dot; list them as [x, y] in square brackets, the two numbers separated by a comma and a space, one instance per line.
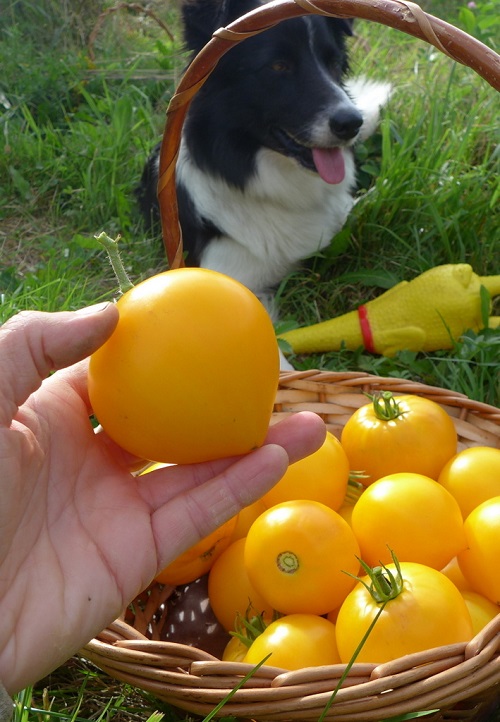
[266, 173]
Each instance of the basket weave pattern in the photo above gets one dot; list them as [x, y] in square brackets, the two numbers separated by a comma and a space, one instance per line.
[461, 680]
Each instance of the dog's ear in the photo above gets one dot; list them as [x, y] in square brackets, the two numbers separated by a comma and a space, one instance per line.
[202, 17]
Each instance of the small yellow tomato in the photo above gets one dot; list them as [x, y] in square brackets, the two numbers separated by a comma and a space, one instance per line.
[472, 476]
[481, 610]
[296, 641]
[399, 433]
[321, 476]
[234, 651]
[411, 514]
[454, 573]
[479, 562]
[428, 612]
[296, 556]
[246, 518]
[191, 370]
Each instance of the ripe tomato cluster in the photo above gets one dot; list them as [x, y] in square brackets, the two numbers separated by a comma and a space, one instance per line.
[404, 558]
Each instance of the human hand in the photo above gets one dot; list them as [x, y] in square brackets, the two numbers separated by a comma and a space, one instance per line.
[80, 536]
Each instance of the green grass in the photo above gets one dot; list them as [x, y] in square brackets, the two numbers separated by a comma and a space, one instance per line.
[75, 134]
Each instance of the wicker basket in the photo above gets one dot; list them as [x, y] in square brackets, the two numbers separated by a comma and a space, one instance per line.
[461, 681]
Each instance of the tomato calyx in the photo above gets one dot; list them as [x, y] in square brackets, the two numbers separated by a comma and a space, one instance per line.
[384, 584]
[385, 406]
[248, 628]
[111, 247]
[287, 562]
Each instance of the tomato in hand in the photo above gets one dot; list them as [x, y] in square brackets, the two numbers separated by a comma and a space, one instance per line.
[480, 561]
[296, 641]
[403, 433]
[198, 559]
[230, 590]
[411, 514]
[427, 611]
[191, 370]
[296, 554]
[472, 476]
[321, 476]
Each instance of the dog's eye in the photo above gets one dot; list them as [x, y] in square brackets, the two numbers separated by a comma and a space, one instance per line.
[280, 66]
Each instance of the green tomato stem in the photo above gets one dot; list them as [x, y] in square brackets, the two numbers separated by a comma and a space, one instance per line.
[385, 406]
[111, 247]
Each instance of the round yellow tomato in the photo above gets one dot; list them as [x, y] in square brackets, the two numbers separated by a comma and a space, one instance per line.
[198, 559]
[191, 370]
[234, 651]
[479, 562]
[403, 433]
[321, 476]
[429, 612]
[454, 573]
[480, 609]
[296, 554]
[230, 591]
[296, 641]
[472, 476]
[412, 515]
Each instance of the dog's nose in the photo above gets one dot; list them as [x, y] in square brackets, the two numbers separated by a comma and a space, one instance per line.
[346, 122]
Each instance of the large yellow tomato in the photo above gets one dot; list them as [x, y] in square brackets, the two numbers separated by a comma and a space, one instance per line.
[190, 372]
[296, 641]
[230, 590]
[412, 515]
[472, 476]
[480, 561]
[296, 556]
[321, 476]
[198, 559]
[428, 612]
[399, 433]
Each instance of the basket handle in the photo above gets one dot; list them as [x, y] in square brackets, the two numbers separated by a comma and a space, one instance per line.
[399, 14]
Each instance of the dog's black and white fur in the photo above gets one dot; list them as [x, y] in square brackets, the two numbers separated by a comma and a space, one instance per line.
[266, 172]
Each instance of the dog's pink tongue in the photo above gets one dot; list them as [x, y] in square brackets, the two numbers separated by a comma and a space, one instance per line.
[330, 164]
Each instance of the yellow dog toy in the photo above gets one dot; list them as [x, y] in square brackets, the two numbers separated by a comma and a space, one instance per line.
[425, 314]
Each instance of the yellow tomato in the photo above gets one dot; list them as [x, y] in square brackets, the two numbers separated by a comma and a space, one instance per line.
[198, 559]
[296, 641]
[454, 573]
[321, 476]
[395, 434]
[429, 612]
[191, 370]
[296, 556]
[230, 591]
[472, 476]
[479, 562]
[234, 651]
[480, 609]
[412, 515]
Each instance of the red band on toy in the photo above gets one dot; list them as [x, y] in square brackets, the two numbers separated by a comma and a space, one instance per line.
[366, 331]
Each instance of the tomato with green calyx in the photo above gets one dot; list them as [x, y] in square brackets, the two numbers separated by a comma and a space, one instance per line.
[191, 370]
[321, 476]
[412, 514]
[479, 562]
[393, 434]
[296, 553]
[415, 608]
[296, 641]
[472, 476]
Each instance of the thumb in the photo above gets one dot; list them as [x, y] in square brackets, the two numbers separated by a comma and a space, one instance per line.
[34, 343]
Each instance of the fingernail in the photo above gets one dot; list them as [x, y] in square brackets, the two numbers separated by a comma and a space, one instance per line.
[95, 308]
